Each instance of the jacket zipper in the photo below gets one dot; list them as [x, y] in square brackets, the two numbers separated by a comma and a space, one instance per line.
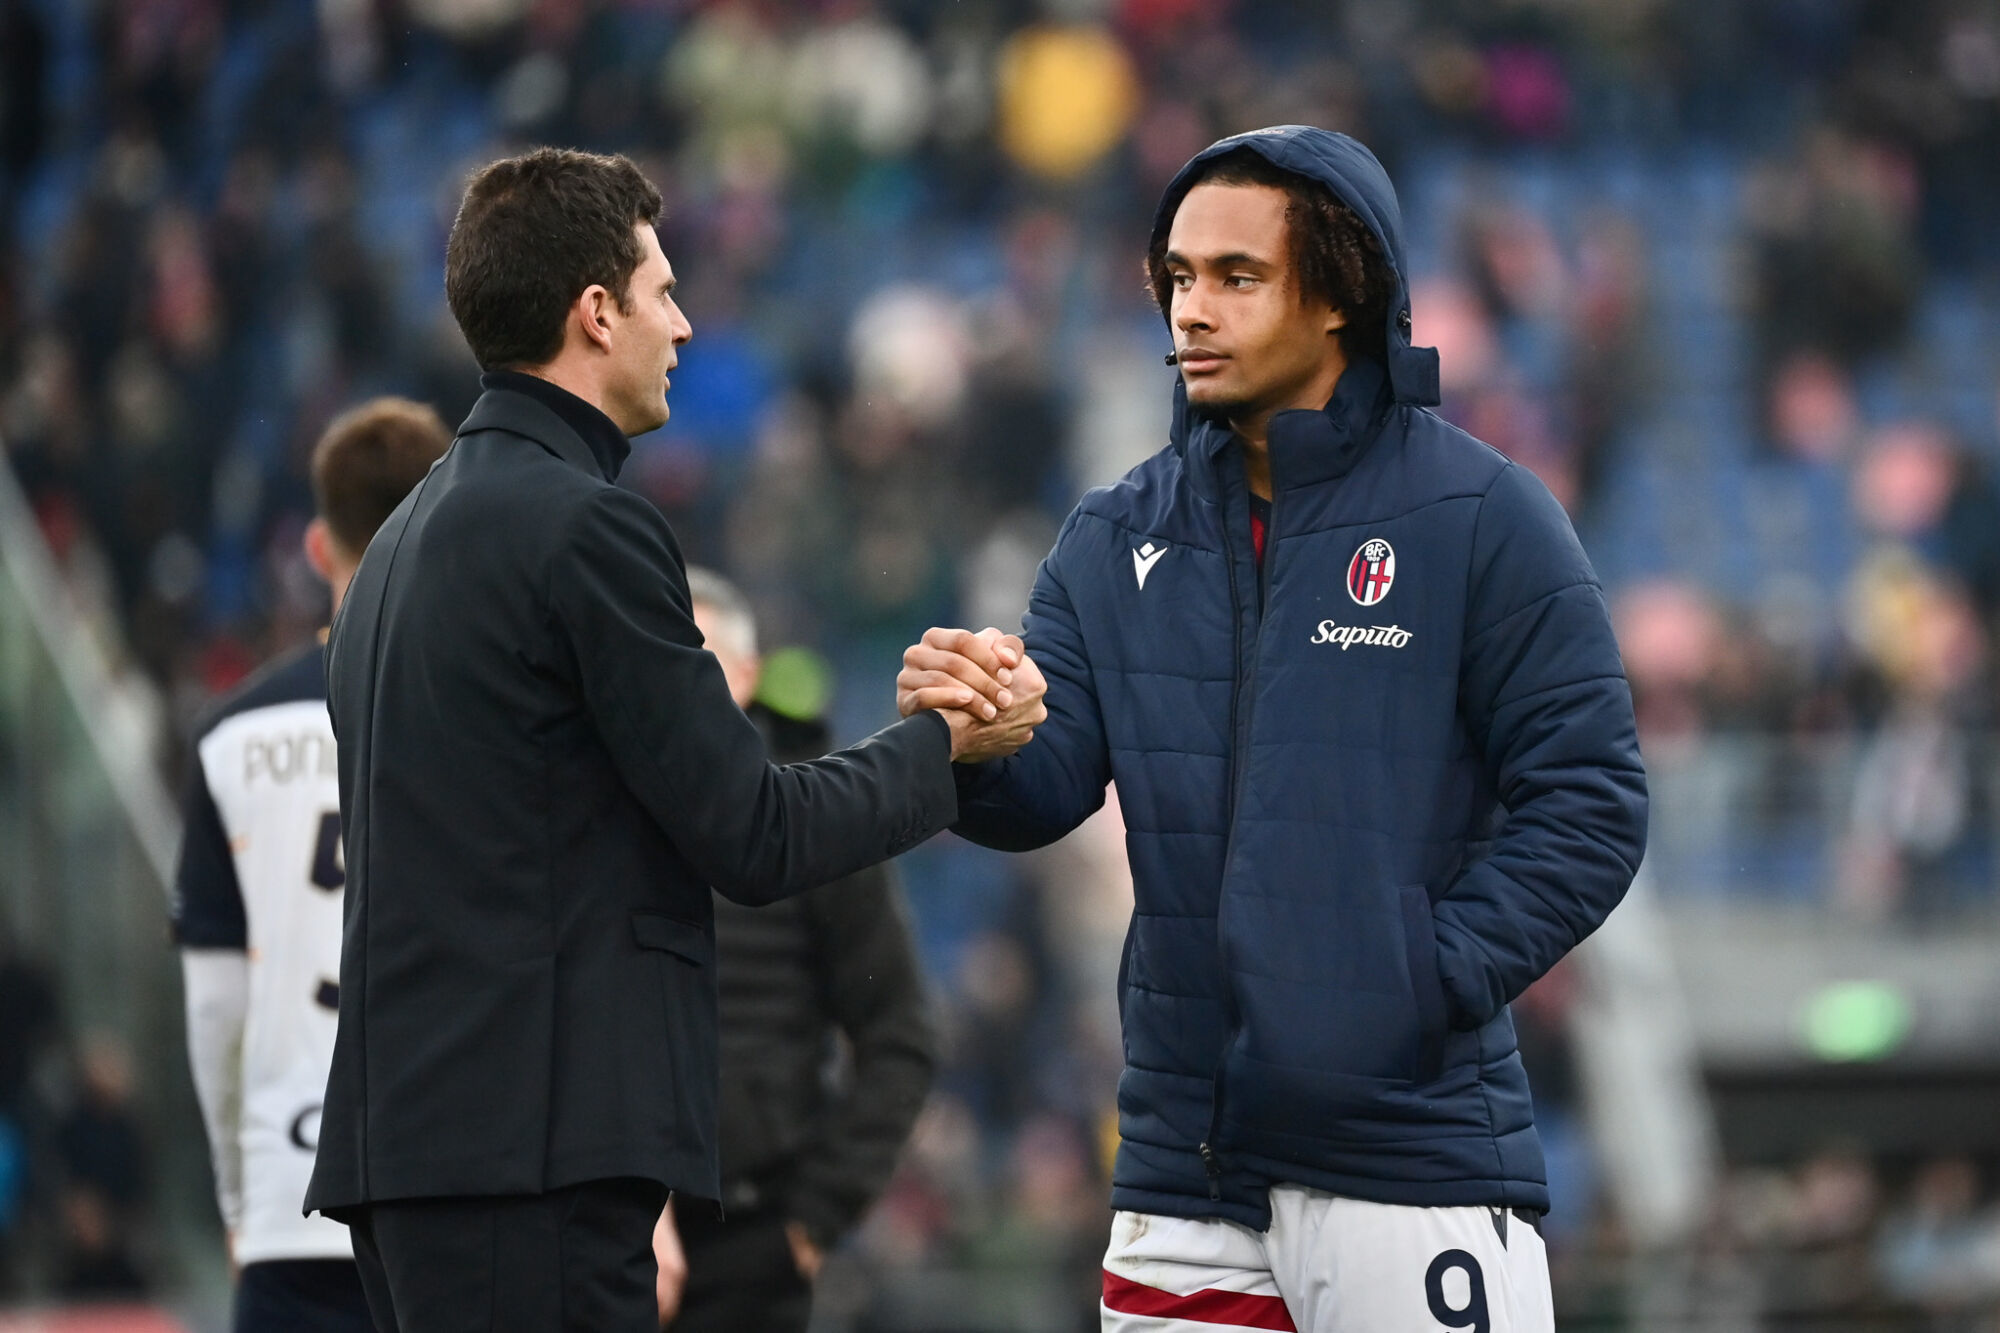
[1213, 1165]
[1242, 703]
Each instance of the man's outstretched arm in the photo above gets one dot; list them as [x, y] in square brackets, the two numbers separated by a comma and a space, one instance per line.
[756, 831]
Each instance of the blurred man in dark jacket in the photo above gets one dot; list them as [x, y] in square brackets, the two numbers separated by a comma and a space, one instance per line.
[803, 1156]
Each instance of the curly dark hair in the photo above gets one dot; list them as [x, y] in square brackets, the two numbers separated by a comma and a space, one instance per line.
[1336, 257]
[532, 233]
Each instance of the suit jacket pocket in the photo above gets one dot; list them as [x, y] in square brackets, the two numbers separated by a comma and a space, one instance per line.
[684, 939]
[686, 954]
[1420, 943]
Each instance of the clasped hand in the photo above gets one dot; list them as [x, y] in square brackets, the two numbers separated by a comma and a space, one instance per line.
[984, 685]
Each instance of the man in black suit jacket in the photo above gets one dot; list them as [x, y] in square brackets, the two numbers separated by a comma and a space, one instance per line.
[541, 774]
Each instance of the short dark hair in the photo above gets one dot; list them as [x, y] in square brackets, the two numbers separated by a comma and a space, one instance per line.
[1335, 256]
[532, 233]
[368, 459]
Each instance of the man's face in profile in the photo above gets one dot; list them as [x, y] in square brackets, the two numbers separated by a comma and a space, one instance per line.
[646, 344]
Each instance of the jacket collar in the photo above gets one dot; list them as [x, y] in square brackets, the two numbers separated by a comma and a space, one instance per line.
[1307, 445]
[552, 417]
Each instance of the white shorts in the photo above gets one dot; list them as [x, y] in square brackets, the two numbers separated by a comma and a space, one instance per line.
[1328, 1265]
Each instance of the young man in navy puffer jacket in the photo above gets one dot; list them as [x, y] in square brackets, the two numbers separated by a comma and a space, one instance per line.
[1356, 682]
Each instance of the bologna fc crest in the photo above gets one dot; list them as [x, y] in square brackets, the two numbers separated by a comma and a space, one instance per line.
[1371, 571]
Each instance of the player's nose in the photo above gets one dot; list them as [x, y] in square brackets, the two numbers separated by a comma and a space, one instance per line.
[1193, 310]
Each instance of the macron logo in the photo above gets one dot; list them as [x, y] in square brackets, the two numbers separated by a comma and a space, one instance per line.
[1143, 560]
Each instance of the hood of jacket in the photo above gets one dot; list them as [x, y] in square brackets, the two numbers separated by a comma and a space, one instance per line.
[1346, 167]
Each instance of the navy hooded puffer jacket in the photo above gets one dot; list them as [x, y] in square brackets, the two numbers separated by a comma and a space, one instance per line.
[1364, 811]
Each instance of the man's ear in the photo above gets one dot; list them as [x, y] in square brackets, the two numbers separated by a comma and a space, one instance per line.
[1336, 319]
[318, 545]
[592, 311]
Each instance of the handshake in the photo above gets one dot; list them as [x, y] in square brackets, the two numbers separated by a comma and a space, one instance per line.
[984, 685]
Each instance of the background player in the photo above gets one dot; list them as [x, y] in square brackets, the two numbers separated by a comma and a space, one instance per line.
[257, 911]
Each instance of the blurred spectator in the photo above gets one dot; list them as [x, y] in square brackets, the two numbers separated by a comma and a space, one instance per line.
[24, 68]
[104, 1177]
[1837, 268]
[1053, 1218]
[1940, 1248]
[996, 1046]
[1673, 639]
[1922, 786]
[1811, 410]
[29, 1025]
[1608, 327]
[1915, 484]
[1836, 1196]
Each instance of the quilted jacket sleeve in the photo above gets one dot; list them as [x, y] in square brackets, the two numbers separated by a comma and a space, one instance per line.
[1544, 695]
[1057, 781]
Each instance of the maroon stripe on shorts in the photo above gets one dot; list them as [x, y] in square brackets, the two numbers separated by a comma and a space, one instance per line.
[1208, 1306]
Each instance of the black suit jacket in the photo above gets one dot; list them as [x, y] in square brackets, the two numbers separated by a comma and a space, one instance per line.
[541, 774]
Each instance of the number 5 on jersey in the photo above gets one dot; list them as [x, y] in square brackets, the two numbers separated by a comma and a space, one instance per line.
[329, 868]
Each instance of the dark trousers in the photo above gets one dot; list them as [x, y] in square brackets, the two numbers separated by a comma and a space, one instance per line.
[741, 1275]
[574, 1260]
[301, 1296]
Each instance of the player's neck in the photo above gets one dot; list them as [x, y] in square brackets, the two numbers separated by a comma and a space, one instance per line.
[1256, 462]
[1253, 427]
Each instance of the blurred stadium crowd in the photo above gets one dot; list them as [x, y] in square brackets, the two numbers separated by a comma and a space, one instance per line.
[1724, 272]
